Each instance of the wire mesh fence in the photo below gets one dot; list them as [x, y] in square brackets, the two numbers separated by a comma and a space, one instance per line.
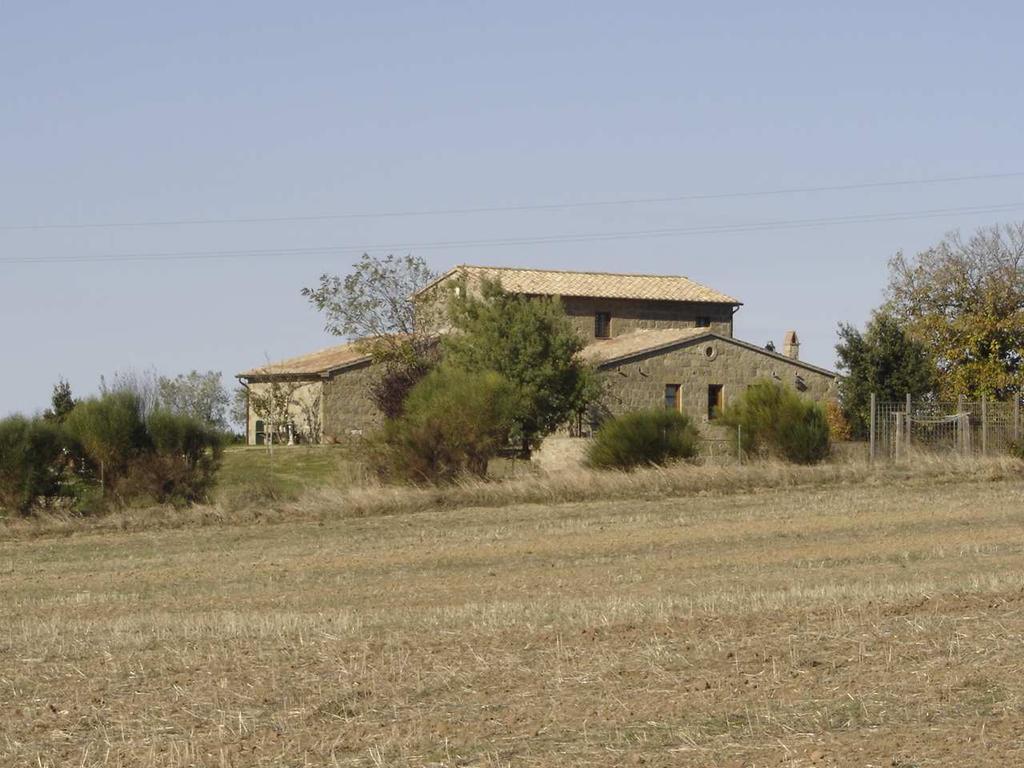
[962, 427]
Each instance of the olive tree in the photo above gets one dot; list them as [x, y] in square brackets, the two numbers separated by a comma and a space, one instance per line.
[374, 305]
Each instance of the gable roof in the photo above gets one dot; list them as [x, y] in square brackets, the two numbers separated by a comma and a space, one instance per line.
[602, 351]
[607, 352]
[317, 363]
[606, 285]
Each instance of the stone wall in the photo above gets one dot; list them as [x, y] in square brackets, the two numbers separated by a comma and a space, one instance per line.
[633, 315]
[639, 384]
[348, 410]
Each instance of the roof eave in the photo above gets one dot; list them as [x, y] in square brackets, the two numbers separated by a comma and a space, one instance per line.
[710, 334]
[324, 373]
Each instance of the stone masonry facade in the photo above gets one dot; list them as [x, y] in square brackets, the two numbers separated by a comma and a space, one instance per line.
[628, 315]
[640, 382]
[348, 410]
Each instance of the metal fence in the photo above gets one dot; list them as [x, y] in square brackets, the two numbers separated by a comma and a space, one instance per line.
[964, 427]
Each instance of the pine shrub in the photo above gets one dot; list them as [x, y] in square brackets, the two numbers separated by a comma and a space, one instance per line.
[453, 423]
[643, 438]
[776, 421]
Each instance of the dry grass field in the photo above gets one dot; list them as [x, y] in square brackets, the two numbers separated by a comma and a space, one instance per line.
[845, 624]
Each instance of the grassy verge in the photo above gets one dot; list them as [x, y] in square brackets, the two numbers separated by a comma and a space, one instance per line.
[251, 474]
[252, 503]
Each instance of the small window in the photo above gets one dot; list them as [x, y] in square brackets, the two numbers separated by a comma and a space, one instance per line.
[672, 401]
[716, 401]
[703, 322]
[602, 325]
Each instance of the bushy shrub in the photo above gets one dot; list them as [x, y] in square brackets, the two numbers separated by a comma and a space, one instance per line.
[454, 422]
[777, 421]
[166, 457]
[30, 462]
[108, 432]
[643, 438]
[181, 463]
[803, 436]
[172, 434]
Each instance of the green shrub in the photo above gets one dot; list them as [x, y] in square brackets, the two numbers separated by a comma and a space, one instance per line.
[777, 421]
[643, 438]
[453, 423]
[30, 462]
[181, 463]
[109, 432]
[167, 457]
[172, 434]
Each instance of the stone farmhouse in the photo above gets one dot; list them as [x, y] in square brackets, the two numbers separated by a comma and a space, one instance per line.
[658, 341]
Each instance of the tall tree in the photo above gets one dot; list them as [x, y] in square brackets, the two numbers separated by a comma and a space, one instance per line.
[374, 305]
[199, 395]
[533, 345]
[883, 360]
[964, 300]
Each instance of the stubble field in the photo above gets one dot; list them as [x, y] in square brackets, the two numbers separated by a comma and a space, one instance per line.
[844, 625]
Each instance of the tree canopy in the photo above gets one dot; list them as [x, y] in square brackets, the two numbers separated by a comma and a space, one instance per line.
[201, 396]
[533, 345]
[374, 305]
[883, 360]
[964, 300]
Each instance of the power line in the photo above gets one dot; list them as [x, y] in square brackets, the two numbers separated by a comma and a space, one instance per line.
[513, 208]
[533, 240]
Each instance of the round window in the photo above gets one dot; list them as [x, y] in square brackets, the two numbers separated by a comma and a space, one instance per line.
[710, 352]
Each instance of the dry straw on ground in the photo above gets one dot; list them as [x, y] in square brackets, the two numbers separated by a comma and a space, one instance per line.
[874, 619]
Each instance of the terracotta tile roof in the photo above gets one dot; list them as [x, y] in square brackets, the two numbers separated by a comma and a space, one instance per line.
[617, 347]
[607, 285]
[314, 363]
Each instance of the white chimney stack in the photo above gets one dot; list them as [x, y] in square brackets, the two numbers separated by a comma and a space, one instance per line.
[791, 345]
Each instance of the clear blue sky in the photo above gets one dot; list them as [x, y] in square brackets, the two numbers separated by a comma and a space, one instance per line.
[123, 112]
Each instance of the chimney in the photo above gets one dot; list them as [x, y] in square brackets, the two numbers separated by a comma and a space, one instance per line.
[791, 345]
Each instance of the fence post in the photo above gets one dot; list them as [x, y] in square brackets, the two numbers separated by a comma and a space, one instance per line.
[909, 406]
[965, 427]
[871, 430]
[984, 425]
[898, 433]
[1016, 417]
